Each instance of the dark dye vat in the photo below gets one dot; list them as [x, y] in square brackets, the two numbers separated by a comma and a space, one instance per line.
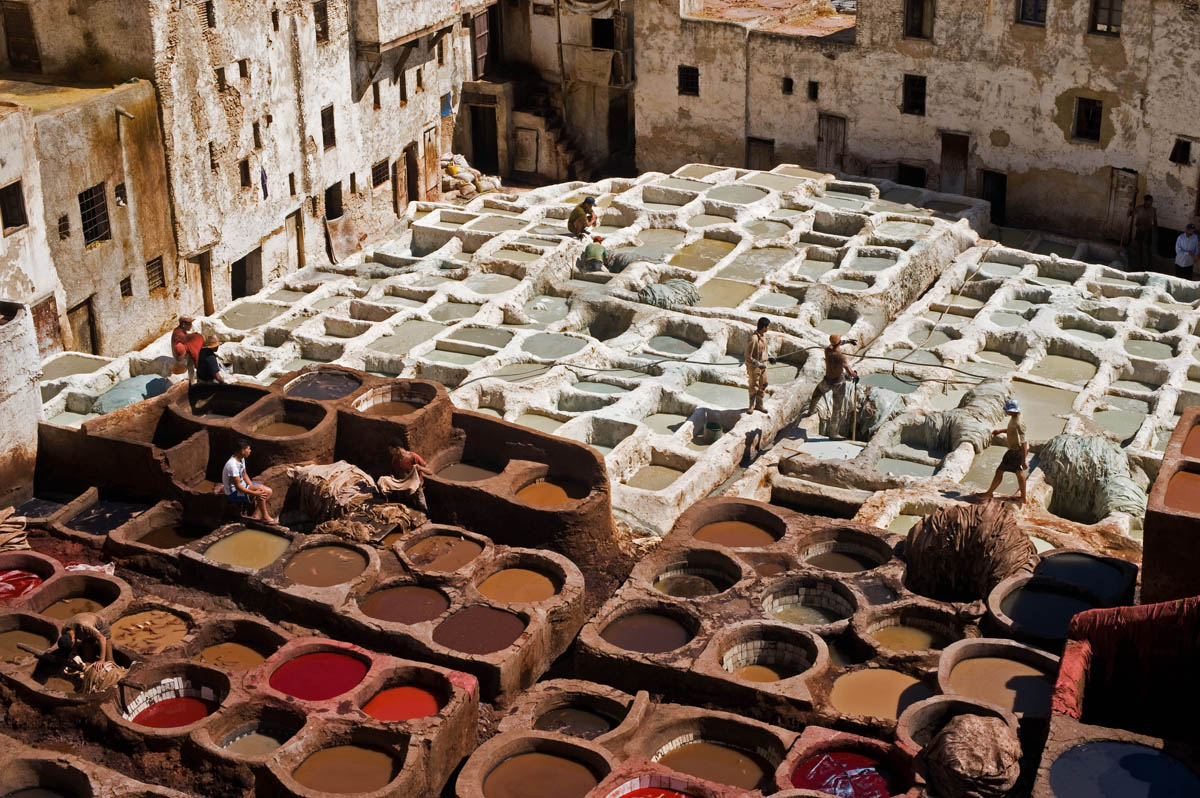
[36, 792]
[1090, 573]
[105, 516]
[1042, 611]
[39, 508]
[1110, 769]
[318, 676]
[479, 630]
[647, 632]
[17, 582]
[538, 775]
[406, 604]
[574, 722]
[844, 774]
[324, 385]
[172, 536]
[173, 712]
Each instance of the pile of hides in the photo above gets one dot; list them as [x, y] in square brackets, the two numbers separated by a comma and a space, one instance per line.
[669, 293]
[979, 412]
[960, 552]
[12, 531]
[332, 491]
[1091, 479]
[366, 524]
[466, 181]
[973, 756]
[619, 262]
[876, 406]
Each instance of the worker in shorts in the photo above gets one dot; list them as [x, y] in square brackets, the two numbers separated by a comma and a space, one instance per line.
[1018, 450]
[837, 366]
[239, 489]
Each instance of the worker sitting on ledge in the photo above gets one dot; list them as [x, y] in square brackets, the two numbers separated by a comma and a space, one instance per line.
[208, 367]
[582, 217]
[185, 347]
[837, 366]
[1018, 450]
[240, 490]
[408, 475]
[756, 365]
[595, 256]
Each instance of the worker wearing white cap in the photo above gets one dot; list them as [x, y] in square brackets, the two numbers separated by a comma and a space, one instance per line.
[1018, 450]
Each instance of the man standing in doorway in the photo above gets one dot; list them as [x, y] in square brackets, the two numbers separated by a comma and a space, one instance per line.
[756, 365]
[1187, 248]
[1145, 223]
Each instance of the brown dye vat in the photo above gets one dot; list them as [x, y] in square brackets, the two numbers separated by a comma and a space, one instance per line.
[61, 685]
[254, 742]
[877, 693]
[280, 429]
[757, 673]
[841, 562]
[64, 609]
[324, 385]
[392, 538]
[346, 769]
[517, 585]
[391, 409]
[538, 775]
[248, 548]
[465, 472]
[443, 552]
[150, 631]
[12, 654]
[172, 536]
[574, 722]
[1191, 444]
[647, 632]
[736, 534]
[479, 630]
[1183, 492]
[325, 566]
[406, 604]
[769, 568]
[545, 493]
[232, 657]
[908, 638]
[718, 763]
[686, 586]
[1014, 685]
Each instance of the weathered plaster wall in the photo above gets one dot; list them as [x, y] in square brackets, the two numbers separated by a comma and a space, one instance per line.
[96, 40]
[20, 402]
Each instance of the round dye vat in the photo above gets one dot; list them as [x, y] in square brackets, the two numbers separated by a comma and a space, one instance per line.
[843, 773]
[1016, 686]
[574, 722]
[538, 775]
[407, 604]
[12, 653]
[545, 493]
[443, 552]
[716, 762]
[908, 638]
[1111, 769]
[1042, 611]
[318, 676]
[465, 472]
[737, 534]
[656, 792]
[391, 409]
[402, 703]
[686, 586]
[1183, 492]
[347, 769]
[171, 713]
[280, 429]
[324, 385]
[646, 632]
[1090, 573]
[325, 566]
[769, 568]
[149, 632]
[877, 693]
[65, 609]
[517, 585]
[806, 614]
[841, 562]
[757, 673]
[255, 741]
[17, 582]
[248, 548]
[479, 630]
[231, 657]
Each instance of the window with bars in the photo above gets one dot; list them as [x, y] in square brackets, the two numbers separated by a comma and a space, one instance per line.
[212, 156]
[127, 287]
[914, 95]
[1088, 116]
[441, 51]
[321, 20]
[379, 173]
[12, 207]
[689, 81]
[328, 131]
[156, 280]
[1106, 17]
[221, 83]
[93, 211]
[1031, 12]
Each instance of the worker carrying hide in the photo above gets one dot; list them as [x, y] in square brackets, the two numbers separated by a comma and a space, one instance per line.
[837, 366]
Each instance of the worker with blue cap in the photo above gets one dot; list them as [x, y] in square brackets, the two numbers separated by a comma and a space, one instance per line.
[1018, 450]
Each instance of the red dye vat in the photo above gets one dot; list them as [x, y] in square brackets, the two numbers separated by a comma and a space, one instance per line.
[319, 676]
[655, 792]
[16, 583]
[844, 774]
[402, 703]
[172, 712]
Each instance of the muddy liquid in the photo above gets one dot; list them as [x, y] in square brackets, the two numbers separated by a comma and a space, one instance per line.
[836, 771]
[231, 657]
[1111, 769]
[479, 630]
[402, 703]
[517, 585]
[325, 566]
[1018, 687]
[718, 763]
[318, 676]
[907, 638]
[769, 568]
[248, 548]
[391, 409]
[443, 552]
[545, 493]
[465, 472]
[346, 769]
[646, 632]
[173, 712]
[1183, 492]
[654, 477]
[1191, 444]
[17, 582]
[1042, 612]
[538, 775]
[877, 693]
[280, 429]
[64, 609]
[324, 385]
[253, 743]
[406, 604]
[757, 673]
[172, 536]
[806, 615]
[150, 631]
[841, 562]
[9, 651]
[686, 586]
[737, 534]
[574, 722]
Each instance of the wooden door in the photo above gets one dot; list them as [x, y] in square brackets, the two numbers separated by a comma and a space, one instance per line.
[295, 243]
[760, 154]
[433, 176]
[23, 55]
[480, 41]
[954, 163]
[83, 327]
[831, 142]
[1122, 195]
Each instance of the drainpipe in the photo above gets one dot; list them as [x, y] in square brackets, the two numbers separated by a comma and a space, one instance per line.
[746, 103]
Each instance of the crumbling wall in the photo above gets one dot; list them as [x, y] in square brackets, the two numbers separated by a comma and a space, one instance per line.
[19, 403]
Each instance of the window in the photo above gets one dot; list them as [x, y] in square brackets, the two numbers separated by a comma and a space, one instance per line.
[420, 78]
[212, 157]
[64, 227]
[353, 183]
[403, 87]
[814, 90]
[441, 50]
[604, 34]
[910, 175]
[208, 14]
[375, 96]
[244, 68]
[256, 131]
[119, 195]
[244, 172]
[914, 95]
[918, 19]
[292, 183]
[321, 20]
[221, 84]
[328, 132]
[1182, 152]
[1106, 17]
[447, 104]
[127, 287]
[689, 81]
[12, 207]
[1031, 12]
[155, 279]
[1088, 114]
[333, 201]
[379, 174]
[275, 19]
[93, 210]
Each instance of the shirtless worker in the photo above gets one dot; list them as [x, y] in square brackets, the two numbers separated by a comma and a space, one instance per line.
[1018, 450]
[756, 365]
[582, 217]
[408, 474]
[837, 366]
[1145, 224]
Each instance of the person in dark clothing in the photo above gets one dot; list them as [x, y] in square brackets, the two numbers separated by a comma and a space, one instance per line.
[208, 367]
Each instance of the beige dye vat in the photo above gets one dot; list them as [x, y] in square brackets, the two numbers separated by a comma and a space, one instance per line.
[1064, 369]
[149, 631]
[902, 637]
[465, 472]
[840, 561]
[654, 477]
[876, 693]
[248, 548]
[736, 534]
[757, 673]
[701, 255]
[1016, 686]
[443, 552]
[325, 566]
[65, 609]
[253, 743]
[346, 769]
[545, 493]
[391, 409]
[806, 614]
[539, 775]
[280, 429]
[12, 640]
[715, 762]
[517, 585]
[231, 656]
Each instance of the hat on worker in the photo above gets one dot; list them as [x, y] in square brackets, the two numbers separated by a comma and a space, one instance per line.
[1011, 406]
[1191, 227]
[589, 201]
[186, 319]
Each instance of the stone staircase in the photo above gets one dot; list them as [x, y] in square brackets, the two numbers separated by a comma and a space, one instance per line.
[573, 164]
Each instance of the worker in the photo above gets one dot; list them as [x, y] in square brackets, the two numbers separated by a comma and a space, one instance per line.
[408, 474]
[85, 636]
[185, 347]
[1144, 219]
[837, 366]
[208, 367]
[1187, 250]
[582, 217]
[1018, 450]
[240, 490]
[595, 256]
[756, 365]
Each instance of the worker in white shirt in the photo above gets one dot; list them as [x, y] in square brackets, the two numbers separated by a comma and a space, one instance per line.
[1187, 252]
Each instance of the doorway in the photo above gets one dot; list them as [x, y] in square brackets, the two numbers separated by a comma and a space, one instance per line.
[909, 175]
[484, 155]
[954, 163]
[333, 202]
[295, 242]
[620, 128]
[432, 181]
[993, 187]
[760, 154]
[412, 175]
[199, 268]
[83, 327]
[831, 142]
[245, 274]
[23, 55]
[1122, 196]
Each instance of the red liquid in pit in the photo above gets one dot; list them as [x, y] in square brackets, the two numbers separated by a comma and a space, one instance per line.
[402, 703]
[172, 712]
[655, 792]
[16, 583]
[319, 676]
[844, 774]
[1191, 444]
